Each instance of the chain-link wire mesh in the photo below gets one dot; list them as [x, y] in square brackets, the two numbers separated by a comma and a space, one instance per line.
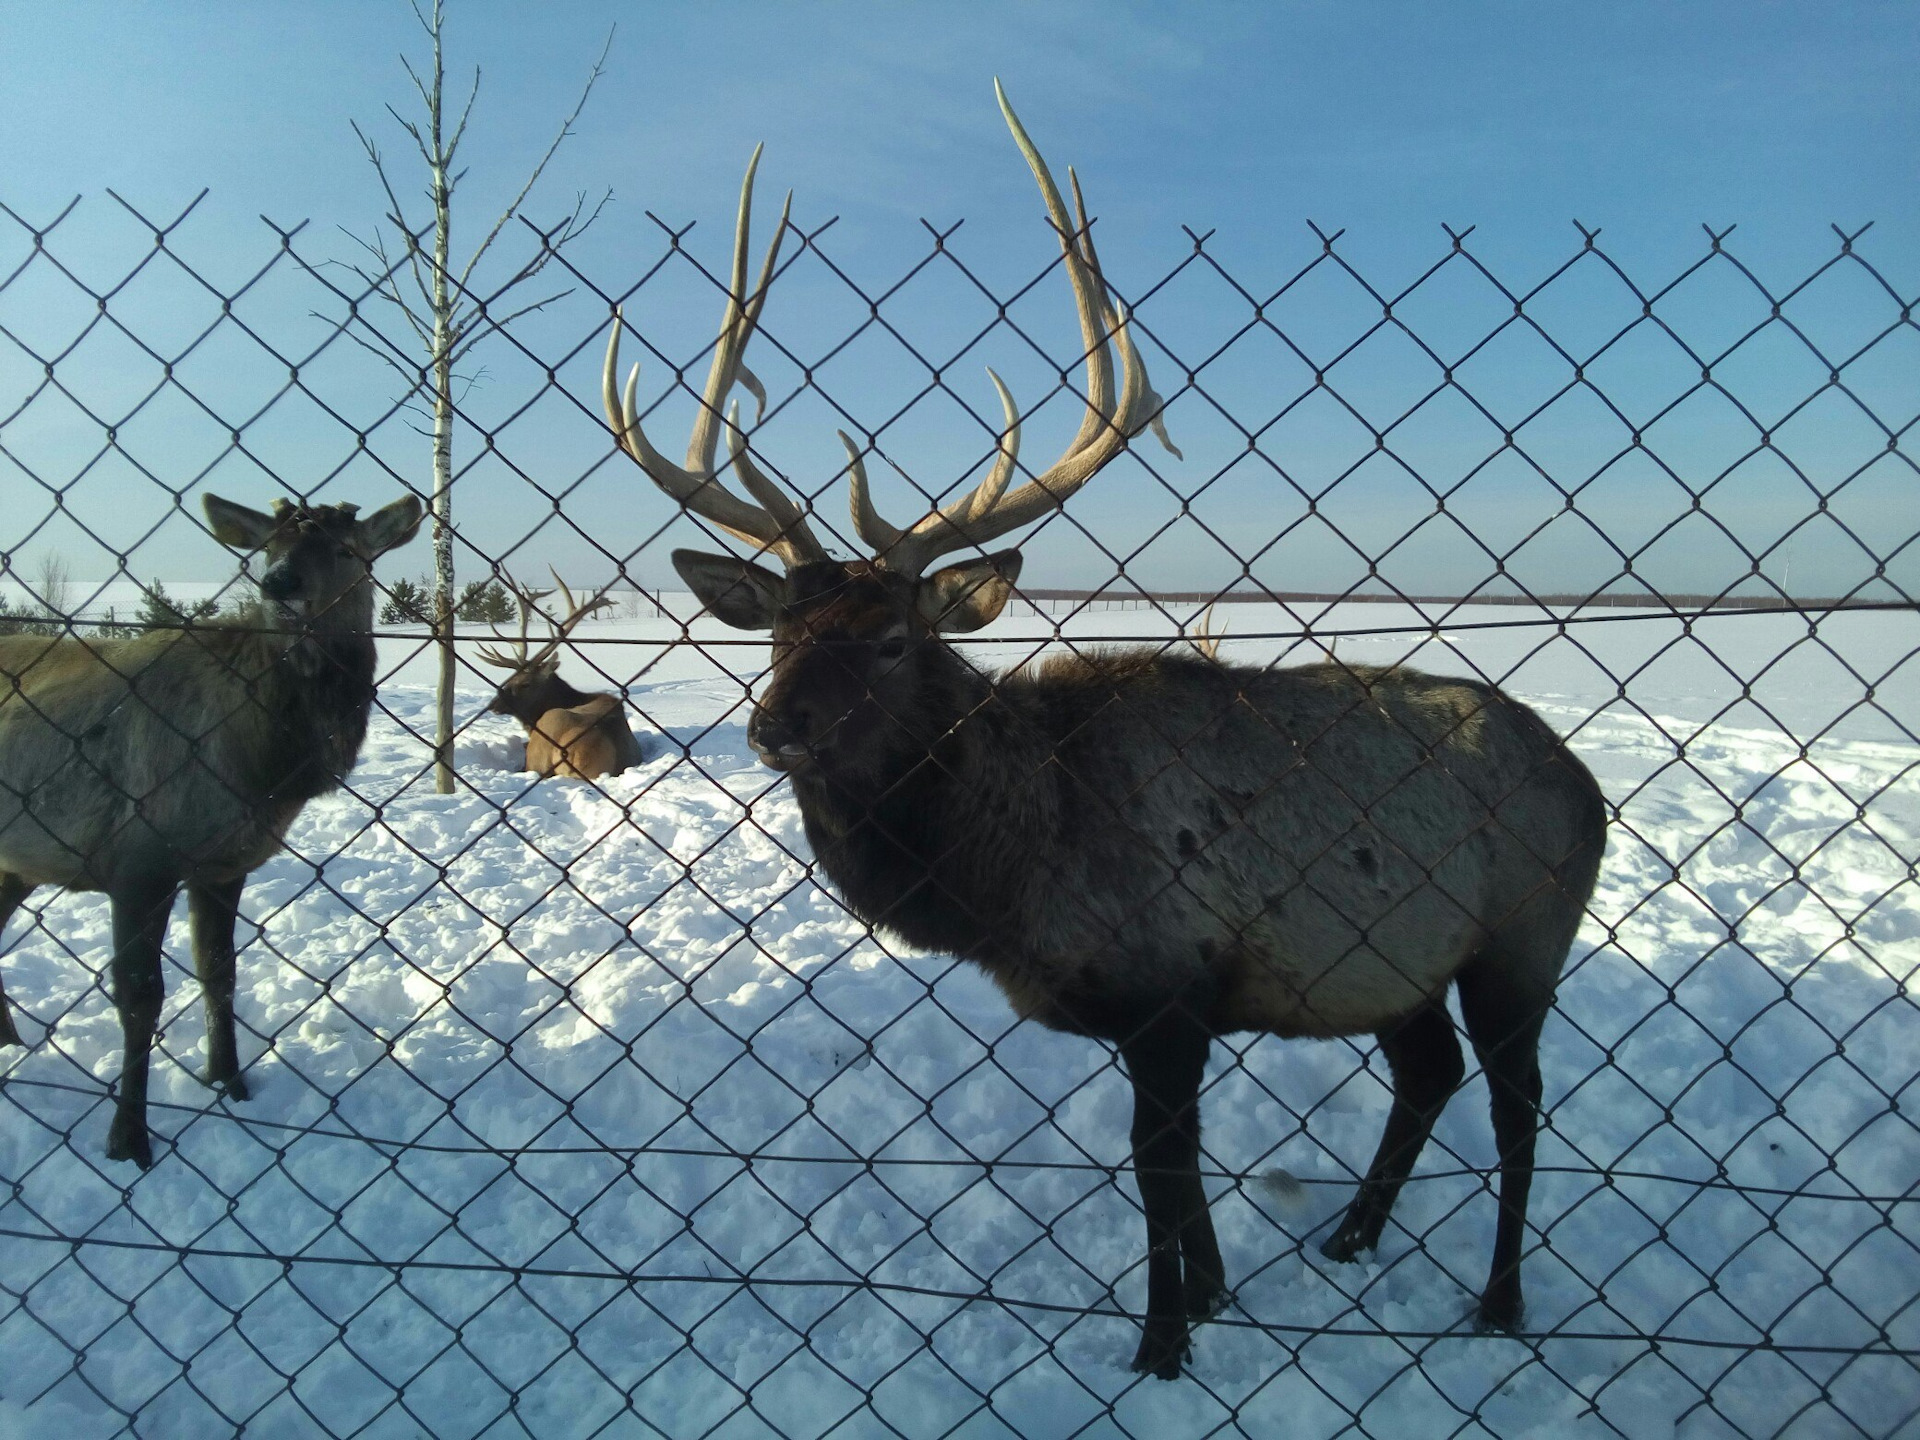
[584, 1107]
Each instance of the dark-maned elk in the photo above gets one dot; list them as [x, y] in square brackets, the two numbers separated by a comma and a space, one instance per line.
[570, 733]
[137, 766]
[1150, 846]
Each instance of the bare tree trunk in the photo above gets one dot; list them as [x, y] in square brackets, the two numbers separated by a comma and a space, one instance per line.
[443, 342]
[443, 594]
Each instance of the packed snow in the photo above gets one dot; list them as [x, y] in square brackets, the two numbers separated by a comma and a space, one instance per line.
[588, 1110]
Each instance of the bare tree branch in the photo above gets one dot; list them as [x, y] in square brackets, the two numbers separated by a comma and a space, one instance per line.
[380, 290]
[551, 242]
[385, 351]
[397, 216]
[382, 287]
[411, 128]
[466, 342]
[460, 129]
[566, 129]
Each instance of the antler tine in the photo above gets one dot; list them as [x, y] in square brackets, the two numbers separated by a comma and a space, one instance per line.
[988, 511]
[777, 503]
[780, 528]
[576, 612]
[1203, 638]
[901, 550]
[523, 600]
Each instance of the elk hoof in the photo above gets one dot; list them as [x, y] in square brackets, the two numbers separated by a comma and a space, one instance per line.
[1164, 1348]
[1346, 1243]
[1207, 1303]
[128, 1140]
[233, 1086]
[1498, 1315]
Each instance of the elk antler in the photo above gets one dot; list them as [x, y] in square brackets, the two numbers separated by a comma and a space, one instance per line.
[988, 511]
[1203, 638]
[776, 524]
[577, 610]
[525, 600]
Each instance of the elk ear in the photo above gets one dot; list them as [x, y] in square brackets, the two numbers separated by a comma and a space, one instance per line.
[236, 525]
[966, 596]
[739, 592]
[389, 526]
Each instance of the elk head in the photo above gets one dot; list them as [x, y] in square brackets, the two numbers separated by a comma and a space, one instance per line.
[319, 557]
[534, 687]
[862, 675]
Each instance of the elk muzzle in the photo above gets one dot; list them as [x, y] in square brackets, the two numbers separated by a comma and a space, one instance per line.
[781, 734]
[283, 588]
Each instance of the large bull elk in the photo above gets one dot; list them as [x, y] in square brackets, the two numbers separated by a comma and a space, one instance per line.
[1152, 847]
[570, 733]
[135, 767]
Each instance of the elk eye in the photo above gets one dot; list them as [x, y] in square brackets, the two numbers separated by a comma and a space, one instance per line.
[893, 649]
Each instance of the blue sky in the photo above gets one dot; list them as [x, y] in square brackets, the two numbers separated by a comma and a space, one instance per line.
[1247, 120]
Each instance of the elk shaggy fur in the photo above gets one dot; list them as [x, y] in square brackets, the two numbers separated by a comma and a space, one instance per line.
[179, 758]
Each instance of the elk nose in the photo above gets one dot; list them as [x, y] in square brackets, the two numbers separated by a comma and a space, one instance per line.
[280, 583]
[780, 734]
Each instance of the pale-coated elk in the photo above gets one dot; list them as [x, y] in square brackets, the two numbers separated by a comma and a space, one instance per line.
[179, 758]
[570, 733]
[1152, 847]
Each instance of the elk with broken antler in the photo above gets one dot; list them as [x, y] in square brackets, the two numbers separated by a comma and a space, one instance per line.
[572, 734]
[1152, 847]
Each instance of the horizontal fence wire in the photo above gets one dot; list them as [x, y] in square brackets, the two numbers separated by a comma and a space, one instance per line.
[590, 1104]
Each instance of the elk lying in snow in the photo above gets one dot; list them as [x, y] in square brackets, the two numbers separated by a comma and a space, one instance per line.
[1153, 847]
[569, 733]
[180, 758]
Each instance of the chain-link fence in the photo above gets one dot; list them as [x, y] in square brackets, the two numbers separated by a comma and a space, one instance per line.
[584, 1107]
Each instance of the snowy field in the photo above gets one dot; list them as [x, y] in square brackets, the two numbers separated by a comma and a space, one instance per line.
[588, 1111]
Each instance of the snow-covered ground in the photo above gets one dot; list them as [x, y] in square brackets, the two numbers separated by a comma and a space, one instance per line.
[574, 1105]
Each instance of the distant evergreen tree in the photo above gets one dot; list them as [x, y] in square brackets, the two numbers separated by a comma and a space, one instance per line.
[26, 622]
[159, 611]
[406, 604]
[484, 602]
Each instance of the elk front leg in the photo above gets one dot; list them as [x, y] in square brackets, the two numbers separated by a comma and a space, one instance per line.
[212, 910]
[139, 927]
[1166, 1060]
[12, 891]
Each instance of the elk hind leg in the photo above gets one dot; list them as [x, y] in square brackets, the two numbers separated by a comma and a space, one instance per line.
[13, 889]
[1166, 1060]
[1206, 1273]
[1504, 1020]
[212, 910]
[1424, 1055]
[139, 927]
